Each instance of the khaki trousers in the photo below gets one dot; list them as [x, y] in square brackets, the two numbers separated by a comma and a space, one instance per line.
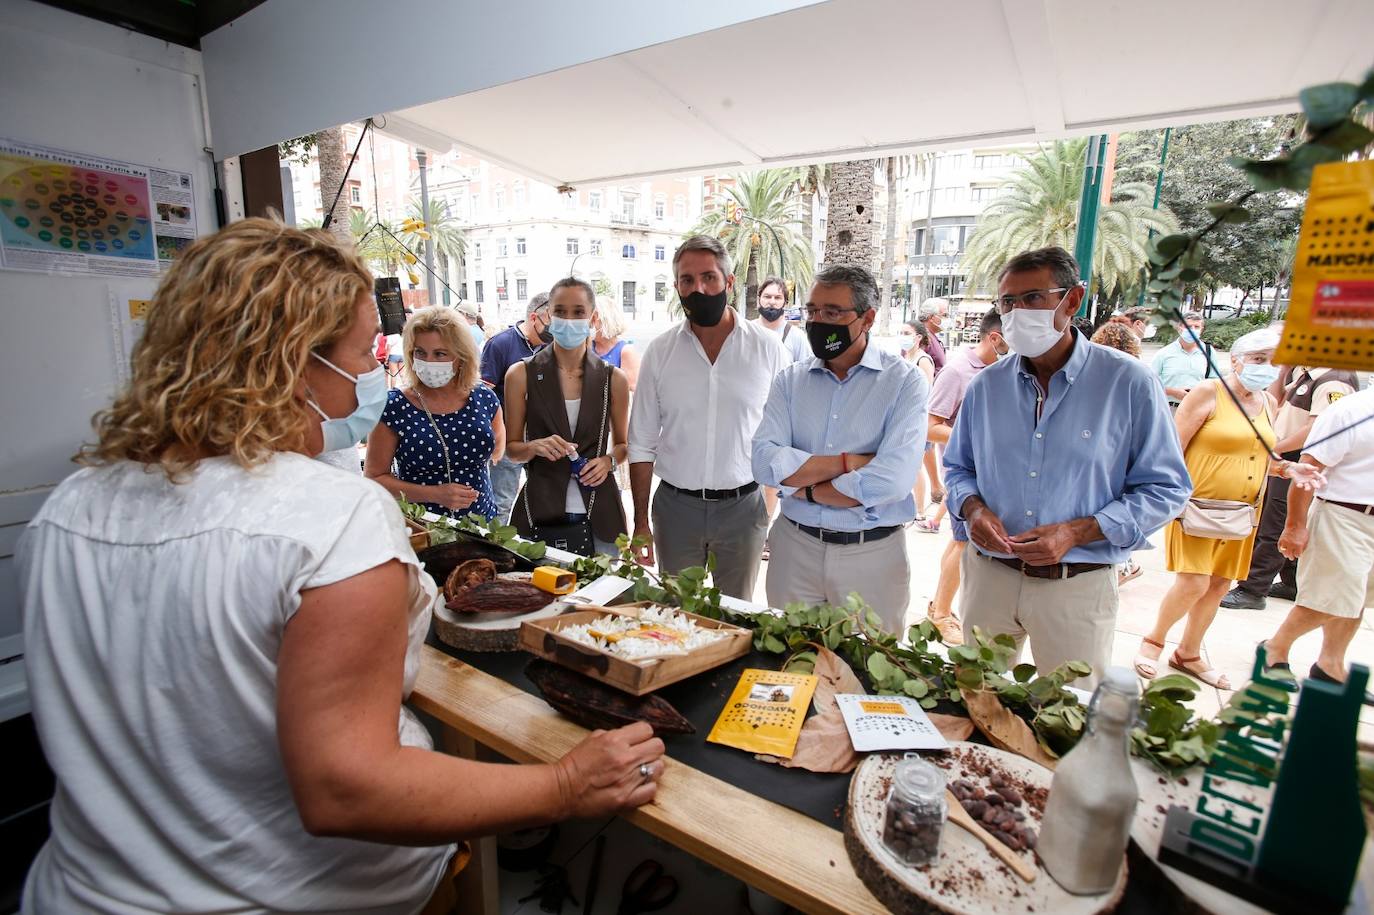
[802, 568]
[1071, 619]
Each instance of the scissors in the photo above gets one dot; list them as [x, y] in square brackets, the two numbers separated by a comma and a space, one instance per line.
[647, 889]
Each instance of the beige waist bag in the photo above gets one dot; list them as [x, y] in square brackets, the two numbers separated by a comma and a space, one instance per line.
[1218, 519]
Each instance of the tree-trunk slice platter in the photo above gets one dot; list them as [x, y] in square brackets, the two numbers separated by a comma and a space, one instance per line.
[489, 631]
[967, 879]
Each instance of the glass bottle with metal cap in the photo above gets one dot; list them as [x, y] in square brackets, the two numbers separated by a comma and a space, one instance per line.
[1093, 795]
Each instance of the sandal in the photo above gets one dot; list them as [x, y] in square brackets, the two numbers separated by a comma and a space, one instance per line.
[951, 630]
[1146, 667]
[925, 527]
[1208, 675]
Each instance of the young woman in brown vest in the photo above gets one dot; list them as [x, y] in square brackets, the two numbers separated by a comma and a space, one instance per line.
[565, 401]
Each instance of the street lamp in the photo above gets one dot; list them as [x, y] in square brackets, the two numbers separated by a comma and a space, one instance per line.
[572, 268]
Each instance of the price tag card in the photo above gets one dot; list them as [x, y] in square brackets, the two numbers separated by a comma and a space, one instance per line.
[888, 723]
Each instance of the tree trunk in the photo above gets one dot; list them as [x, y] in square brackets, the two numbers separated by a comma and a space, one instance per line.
[929, 242]
[333, 159]
[849, 235]
[751, 284]
[808, 215]
[889, 244]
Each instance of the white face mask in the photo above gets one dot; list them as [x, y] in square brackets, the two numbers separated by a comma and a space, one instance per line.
[1150, 331]
[1031, 332]
[433, 374]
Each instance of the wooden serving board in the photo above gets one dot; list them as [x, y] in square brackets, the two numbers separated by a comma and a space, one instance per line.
[967, 879]
[540, 636]
[489, 631]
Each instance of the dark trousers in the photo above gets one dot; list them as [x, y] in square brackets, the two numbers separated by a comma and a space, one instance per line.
[1266, 561]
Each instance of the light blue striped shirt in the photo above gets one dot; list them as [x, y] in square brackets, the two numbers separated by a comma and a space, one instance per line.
[879, 408]
[1104, 447]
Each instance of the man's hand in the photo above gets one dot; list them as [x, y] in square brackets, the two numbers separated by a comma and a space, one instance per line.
[1293, 541]
[984, 528]
[1046, 545]
[644, 554]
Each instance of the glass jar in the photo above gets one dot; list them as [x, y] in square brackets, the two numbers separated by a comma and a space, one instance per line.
[916, 811]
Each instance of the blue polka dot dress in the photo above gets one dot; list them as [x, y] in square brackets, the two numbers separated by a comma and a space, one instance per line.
[420, 457]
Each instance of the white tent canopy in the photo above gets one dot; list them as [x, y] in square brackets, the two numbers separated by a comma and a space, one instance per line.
[602, 91]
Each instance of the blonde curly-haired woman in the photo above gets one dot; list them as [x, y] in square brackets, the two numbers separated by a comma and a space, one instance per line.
[220, 629]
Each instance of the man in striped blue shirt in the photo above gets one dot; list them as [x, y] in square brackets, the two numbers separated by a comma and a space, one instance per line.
[842, 436]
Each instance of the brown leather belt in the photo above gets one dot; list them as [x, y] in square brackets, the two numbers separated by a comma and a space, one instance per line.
[1355, 507]
[1057, 571]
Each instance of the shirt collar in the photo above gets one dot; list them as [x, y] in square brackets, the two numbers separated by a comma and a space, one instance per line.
[1078, 358]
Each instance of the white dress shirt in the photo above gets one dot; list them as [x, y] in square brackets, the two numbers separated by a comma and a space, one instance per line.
[695, 420]
[1349, 453]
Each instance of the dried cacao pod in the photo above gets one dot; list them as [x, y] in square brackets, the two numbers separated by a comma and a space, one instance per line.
[500, 596]
[468, 574]
[595, 705]
[440, 561]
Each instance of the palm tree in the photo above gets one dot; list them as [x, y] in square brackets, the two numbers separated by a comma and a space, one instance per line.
[767, 239]
[1041, 208]
[849, 218]
[811, 186]
[894, 168]
[333, 159]
[444, 233]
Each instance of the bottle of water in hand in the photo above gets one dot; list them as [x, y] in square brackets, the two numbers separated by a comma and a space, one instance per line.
[578, 463]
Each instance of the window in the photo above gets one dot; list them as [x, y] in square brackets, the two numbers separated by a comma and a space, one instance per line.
[477, 252]
[594, 201]
[660, 292]
[679, 207]
[502, 247]
[476, 205]
[520, 246]
[627, 252]
[595, 247]
[991, 160]
[627, 207]
[981, 194]
[477, 286]
[570, 200]
[571, 246]
[518, 196]
[627, 295]
[502, 290]
[660, 206]
[521, 289]
[660, 253]
[498, 198]
[918, 245]
[355, 194]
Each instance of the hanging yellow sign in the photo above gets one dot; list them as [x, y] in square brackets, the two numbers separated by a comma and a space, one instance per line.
[1331, 316]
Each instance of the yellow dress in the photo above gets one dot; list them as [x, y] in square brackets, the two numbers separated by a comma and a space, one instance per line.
[1225, 462]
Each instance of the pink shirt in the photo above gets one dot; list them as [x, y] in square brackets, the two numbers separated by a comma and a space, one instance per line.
[947, 394]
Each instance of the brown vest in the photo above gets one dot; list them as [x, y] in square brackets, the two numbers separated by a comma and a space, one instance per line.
[546, 482]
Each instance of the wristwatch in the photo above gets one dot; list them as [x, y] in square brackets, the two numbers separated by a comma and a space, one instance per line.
[613, 463]
[811, 494]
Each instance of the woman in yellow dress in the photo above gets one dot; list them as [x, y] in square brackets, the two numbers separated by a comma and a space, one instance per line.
[1226, 461]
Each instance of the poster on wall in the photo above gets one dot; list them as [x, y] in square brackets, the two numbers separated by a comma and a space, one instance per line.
[72, 213]
[128, 315]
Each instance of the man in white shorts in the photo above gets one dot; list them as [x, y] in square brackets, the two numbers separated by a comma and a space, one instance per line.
[1334, 535]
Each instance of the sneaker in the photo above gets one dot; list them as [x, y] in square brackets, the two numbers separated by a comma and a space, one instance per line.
[925, 527]
[1241, 599]
[1284, 591]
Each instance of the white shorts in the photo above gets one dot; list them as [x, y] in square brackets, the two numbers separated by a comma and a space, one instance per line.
[1336, 571]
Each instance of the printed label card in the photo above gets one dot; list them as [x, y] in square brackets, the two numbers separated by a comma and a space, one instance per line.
[888, 723]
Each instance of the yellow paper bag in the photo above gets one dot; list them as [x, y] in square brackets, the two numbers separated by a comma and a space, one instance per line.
[1331, 316]
[765, 712]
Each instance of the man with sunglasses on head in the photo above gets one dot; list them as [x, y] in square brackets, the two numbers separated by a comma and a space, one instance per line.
[1064, 459]
[842, 437]
[519, 341]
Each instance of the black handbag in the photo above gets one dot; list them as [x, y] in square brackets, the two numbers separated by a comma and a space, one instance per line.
[575, 537]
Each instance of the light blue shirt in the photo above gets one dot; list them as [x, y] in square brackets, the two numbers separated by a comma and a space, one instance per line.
[879, 408]
[1178, 368]
[1105, 447]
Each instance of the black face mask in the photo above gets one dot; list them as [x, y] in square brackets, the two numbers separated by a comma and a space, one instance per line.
[828, 340]
[703, 309]
[545, 336]
[771, 314]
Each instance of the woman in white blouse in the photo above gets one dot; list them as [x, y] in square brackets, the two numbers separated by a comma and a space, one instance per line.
[220, 630]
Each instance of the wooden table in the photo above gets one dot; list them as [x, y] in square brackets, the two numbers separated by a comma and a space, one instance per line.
[785, 854]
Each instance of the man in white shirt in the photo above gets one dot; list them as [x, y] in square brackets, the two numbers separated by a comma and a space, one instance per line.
[773, 301]
[702, 386]
[1334, 535]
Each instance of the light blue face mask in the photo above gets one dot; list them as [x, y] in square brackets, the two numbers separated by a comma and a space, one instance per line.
[348, 431]
[1258, 377]
[570, 333]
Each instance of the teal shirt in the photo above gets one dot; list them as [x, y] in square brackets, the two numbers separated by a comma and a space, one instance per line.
[1178, 368]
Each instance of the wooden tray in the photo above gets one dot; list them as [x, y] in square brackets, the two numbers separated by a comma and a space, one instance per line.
[541, 637]
[967, 879]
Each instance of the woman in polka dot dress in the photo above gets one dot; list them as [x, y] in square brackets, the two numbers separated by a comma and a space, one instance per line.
[442, 431]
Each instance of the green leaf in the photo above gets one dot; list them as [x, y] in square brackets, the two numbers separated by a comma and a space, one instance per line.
[1023, 672]
[1170, 246]
[1328, 103]
[1190, 274]
[1264, 175]
[928, 703]
[1079, 668]
[916, 688]
[1345, 137]
[969, 678]
[1013, 694]
[878, 667]
[773, 644]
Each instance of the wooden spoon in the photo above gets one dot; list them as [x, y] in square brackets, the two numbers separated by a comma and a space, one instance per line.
[960, 816]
